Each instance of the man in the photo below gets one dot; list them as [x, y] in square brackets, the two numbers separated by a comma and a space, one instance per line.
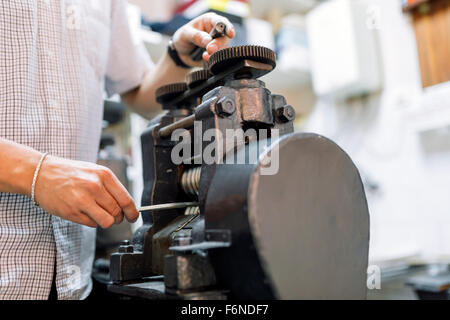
[56, 59]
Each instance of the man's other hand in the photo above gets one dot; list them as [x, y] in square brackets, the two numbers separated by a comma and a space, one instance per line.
[83, 192]
[196, 34]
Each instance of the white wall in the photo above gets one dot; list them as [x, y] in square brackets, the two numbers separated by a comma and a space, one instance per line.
[156, 10]
[410, 213]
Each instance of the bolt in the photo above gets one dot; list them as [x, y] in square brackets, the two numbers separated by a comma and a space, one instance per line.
[225, 107]
[285, 113]
[126, 247]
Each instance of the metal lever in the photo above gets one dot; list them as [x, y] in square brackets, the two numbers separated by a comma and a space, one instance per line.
[167, 206]
[218, 31]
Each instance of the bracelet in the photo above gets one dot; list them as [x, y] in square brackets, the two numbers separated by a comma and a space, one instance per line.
[173, 54]
[36, 173]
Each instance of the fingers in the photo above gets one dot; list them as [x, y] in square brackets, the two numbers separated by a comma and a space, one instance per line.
[217, 44]
[205, 56]
[107, 202]
[196, 33]
[75, 215]
[98, 214]
[119, 218]
[214, 45]
[195, 36]
[121, 195]
[209, 20]
[83, 219]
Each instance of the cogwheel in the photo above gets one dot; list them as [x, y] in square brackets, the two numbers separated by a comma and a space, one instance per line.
[170, 91]
[196, 77]
[222, 59]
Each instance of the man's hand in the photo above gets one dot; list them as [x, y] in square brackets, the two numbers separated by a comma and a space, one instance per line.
[186, 39]
[83, 192]
[196, 33]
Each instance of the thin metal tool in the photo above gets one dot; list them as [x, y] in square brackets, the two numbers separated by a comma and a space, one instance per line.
[168, 206]
[180, 124]
[218, 31]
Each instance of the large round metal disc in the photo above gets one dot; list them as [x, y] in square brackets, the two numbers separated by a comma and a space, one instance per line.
[310, 221]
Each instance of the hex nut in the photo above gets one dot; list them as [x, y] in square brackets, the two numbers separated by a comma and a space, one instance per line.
[225, 107]
[126, 247]
[285, 113]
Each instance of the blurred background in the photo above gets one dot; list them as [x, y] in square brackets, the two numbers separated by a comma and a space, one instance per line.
[372, 75]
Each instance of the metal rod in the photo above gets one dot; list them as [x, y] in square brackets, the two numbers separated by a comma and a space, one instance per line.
[180, 124]
[168, 206]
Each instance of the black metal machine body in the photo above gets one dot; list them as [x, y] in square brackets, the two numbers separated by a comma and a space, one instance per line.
[289, 221]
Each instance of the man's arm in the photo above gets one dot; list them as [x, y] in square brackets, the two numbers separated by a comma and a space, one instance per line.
[195, 33]
[78, 191]
[18, 163]
[142, 99]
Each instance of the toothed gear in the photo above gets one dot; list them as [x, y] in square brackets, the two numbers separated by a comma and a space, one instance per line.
[170, 91]
[222, 59]
[196, 77]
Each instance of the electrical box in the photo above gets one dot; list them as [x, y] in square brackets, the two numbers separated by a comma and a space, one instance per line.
[344, 53]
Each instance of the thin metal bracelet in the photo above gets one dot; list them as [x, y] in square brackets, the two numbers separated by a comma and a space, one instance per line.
[36, 173]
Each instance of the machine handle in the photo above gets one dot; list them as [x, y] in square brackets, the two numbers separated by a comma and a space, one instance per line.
[218, 31]
[167, 206]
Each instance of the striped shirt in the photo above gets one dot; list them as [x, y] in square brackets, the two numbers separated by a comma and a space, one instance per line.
[57, 58]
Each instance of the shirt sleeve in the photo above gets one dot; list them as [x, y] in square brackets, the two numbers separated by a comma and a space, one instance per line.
[128, 60]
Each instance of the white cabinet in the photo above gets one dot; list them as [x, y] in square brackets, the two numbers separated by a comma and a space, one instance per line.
[343, 48]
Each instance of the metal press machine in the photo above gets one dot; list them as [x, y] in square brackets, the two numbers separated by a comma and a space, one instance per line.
[231, 230]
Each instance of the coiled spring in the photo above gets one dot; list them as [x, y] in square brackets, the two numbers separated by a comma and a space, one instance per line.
[190, 181]
[192, 210]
